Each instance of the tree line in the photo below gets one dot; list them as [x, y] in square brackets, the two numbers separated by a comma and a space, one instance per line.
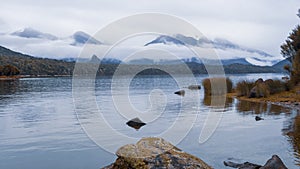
[9, 70]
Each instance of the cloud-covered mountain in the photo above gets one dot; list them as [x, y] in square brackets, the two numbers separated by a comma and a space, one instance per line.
[37, 43]
[78, 38]
[223, 48]
[147, 61]
[32, 33]
[217, 43]
[81, 38]
[164, 39]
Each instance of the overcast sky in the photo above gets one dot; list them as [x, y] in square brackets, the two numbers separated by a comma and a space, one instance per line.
[260, 24]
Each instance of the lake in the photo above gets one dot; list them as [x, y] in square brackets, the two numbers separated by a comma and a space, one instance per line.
[39, 126]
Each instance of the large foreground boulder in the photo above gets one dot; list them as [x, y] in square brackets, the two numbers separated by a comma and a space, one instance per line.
[155, 152]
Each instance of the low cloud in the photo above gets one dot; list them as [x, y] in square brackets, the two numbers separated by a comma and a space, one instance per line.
[257, 24]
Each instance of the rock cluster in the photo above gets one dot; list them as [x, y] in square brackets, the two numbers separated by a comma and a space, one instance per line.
[273, 163]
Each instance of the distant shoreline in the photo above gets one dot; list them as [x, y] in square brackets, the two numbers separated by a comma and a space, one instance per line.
[30, 76]
[10, 77]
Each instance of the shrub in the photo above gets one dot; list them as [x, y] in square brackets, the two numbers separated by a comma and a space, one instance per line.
[243, 88]
[218, 86]
[275, 86]
[260, 88]
[289, 85]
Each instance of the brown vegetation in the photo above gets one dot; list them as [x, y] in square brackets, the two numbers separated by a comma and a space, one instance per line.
[260, 88]
[217, 86]
[9, 70]
[286, 97]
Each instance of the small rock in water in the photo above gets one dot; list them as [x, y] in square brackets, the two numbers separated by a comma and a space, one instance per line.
[180, 92]
[274, 162]
[257, 118]
[135, 123]
[194, 87]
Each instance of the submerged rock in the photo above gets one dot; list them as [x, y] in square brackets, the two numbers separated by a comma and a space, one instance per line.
[135, 123]
[180, 92]
[194, 87]
[273, 163]
[155, 152]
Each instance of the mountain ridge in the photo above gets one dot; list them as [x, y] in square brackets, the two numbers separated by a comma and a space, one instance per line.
[217, 43]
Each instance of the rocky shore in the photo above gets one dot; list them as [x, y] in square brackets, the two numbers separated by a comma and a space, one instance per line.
[153, 152]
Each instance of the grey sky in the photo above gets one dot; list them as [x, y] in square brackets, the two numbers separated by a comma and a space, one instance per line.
[260, 24]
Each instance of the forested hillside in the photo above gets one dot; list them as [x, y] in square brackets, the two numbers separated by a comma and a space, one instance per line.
[29, 65]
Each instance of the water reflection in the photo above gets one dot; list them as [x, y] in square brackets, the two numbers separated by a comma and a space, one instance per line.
[37, 117]
[292, 129]
[247, 107]
[219, 101]
[8, 87]
[293, 132]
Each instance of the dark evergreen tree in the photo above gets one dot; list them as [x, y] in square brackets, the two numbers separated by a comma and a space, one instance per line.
[291, 50]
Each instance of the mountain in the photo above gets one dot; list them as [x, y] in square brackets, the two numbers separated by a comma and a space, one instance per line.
[81, 38]
[254, 56]
[32, 33]
[164, 39]
[147, 61]
[29, 65]
[110, 61]
[242, 61]
[280, 65]
[218, 43]
[241, 68]
[94, 59]
[142, 61]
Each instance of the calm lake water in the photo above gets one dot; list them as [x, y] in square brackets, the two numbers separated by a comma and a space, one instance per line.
[39, 126]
